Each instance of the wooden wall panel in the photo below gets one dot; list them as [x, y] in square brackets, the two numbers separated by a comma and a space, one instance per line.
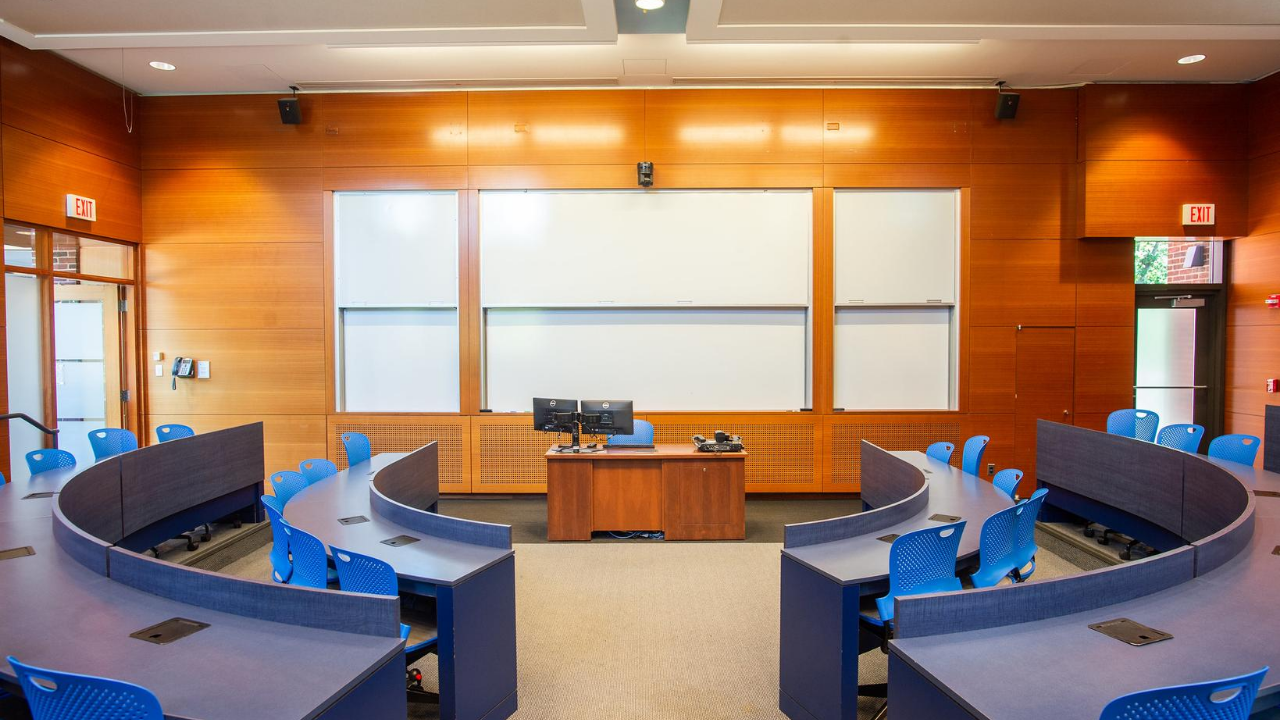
[1264, 116]
[39, 173]
[1104, 369]
[1162, 122]
[1255, 274]
[1264, 194]
[738, 176]
[733, 126]
[1104, 282]
[245, 206]
[898, 126]
[388, 433]
[278, 372]
[229, 131]
[288, 439]
[372, 129]
[235, 285]
[582, 127]
[445, 177]
[1255, 357]
[1024, 201]
[549, 177]
[1045, 387]
[45, 95]
[1022, 282]
[992, 369]
[1145, 198]
[897, 175]
[1043, 132]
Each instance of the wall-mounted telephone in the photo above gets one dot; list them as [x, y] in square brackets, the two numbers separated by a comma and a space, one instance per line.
[183, 367]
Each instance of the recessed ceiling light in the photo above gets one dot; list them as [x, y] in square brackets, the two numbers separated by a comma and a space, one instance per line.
[1190, 59]
[162, 65]
[648, 5]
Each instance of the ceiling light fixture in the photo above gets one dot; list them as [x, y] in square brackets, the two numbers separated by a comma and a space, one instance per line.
[1190, 59]
[647, 5]
[162, 65]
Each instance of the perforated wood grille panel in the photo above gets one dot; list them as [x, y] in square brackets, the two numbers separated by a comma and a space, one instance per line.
[510, 453]
[406, 434]
[777, 453]
[844, 439]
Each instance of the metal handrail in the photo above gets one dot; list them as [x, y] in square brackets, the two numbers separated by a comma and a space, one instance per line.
[51, 432]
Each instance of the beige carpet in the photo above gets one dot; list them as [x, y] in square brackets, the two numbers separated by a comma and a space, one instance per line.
[650, 630]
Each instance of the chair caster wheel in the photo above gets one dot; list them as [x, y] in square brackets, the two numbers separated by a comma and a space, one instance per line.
[1124, 555]
[192, 545]
[1090, 532]
[236, 524]
[1104, 540]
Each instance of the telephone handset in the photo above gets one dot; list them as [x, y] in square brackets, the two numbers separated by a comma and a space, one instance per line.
[183, 367]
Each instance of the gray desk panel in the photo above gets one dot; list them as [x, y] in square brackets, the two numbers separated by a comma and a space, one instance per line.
[885, 478]
[91, 500]
[414, 479]
[59, 614]
[86, 549]
[1213, 498]
[317, 508]
[951, 492]
[441, 526]
[1271, 439]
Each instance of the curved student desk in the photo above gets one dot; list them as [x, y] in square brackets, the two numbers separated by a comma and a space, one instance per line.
[1028, 651]
[828, 565]
[74, 602]
[467, 566]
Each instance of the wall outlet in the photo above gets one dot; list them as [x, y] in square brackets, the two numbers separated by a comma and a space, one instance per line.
[991, 468]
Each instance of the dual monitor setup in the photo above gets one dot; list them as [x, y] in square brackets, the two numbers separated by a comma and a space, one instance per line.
[596, 417]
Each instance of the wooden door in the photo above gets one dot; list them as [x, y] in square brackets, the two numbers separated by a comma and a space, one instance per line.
[1044, 389]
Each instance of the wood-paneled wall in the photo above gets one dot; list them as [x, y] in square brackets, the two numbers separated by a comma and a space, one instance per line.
[1253, 331]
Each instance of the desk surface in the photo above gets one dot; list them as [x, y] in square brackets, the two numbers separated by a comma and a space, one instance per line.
[317, 509]
[60, 614]
[1223, 623]
[14, 507]
[660, 451]
[951, 492]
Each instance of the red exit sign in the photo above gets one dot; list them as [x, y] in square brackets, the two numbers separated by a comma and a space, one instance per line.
[82, 208]
[1198, 214]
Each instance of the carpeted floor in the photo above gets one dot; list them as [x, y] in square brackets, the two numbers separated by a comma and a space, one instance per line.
[645, 629]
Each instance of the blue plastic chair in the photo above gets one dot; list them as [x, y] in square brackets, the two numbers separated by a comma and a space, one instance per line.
[940, 451]
[1137, 424]
[39, 461]
[288, 483]
[923, 561]
[1236, 448]
[642, 435]
[109, 442]
[1024, 543]
[310, 562]
[1182, 437]
[1194, 701]
[53, 695]
[317, 469]
[996, 547]
[357, 446]
[364, 574]
[281, 566]
[971, 459]
[1006, 481]
[173, 431]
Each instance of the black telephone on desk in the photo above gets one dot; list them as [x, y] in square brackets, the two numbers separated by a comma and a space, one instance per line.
[723, 443]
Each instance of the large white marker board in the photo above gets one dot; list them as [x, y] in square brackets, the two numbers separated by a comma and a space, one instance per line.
[893, 359]
[601, 248]
[896, 246]
[396, 249]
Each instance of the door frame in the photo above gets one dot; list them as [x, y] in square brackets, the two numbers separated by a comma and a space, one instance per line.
[1211, 350]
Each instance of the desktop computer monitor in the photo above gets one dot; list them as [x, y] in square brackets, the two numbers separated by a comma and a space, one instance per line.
[607, 417]
[554, 414]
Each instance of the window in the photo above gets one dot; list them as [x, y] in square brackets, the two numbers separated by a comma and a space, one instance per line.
[70, 329]
[1177, 261]
[678, 300]
[896, 274]
[396, 298]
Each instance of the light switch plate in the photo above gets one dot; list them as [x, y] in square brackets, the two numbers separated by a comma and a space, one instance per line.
[159, 369]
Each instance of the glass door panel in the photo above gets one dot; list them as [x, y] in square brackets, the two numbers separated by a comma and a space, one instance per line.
[26, 366]
[1166, 373]
[87, 361]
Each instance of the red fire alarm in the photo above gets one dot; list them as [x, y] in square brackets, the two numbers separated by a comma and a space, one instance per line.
[1272, 385]
[1273, 302]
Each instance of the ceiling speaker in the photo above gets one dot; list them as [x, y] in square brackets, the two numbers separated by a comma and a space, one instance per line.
[1007, 105]
[290, 113]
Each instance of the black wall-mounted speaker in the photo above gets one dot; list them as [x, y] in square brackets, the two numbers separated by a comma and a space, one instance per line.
[290, 112]
[1007, 105]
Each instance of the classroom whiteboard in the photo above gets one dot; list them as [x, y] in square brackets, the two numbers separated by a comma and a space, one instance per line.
[399, 360]
[704, 248]
[893, 359]
[896, 246]
[396, 249]
[679, 359]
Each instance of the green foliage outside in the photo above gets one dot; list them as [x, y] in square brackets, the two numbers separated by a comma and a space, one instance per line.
[1150, 262]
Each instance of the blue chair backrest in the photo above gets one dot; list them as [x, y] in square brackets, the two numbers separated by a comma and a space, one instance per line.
[109, 442]
[54, 695]
[39, 461]
[1006, 481]
[364, 574]
[642, 435]
[281, 567]
[996, 546]
[287, 483]
[940, 451]
[310, 562]
[1236, 448]
[317, 469]
[1024, 543]
[922, 561]
[357, 446]
[971, 459]
[1137, 424]
[1182, 437]
[173, 431]
[1194, 701]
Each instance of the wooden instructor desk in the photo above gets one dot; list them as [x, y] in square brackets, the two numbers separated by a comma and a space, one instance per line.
[688, 495]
